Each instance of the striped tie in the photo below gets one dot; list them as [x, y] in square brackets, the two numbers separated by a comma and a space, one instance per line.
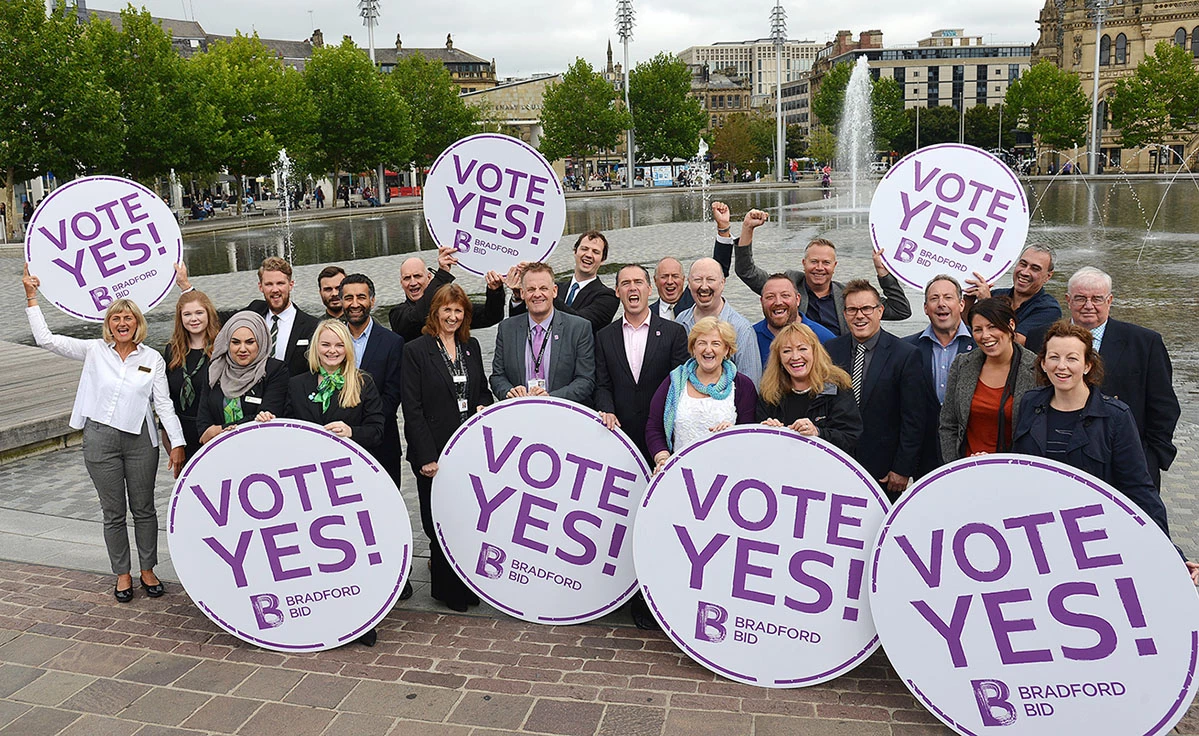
[859, 366]
[274, 331]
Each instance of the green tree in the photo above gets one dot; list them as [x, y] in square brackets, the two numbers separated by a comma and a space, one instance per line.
[937, 125]
[830, 96]
[1159, 100]
[886, 104]
[579, 115]
[166, 126]
[732, 143]
[55, 116]
[360, 119]
[797, 142]
[666, 118]
[982, 126]
[1049, 102]
[822, 145]
[439, 114]
[263, 107]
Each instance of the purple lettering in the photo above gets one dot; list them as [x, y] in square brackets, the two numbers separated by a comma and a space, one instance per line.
[951, 632]
[132, 206]
[837, 519]
[930, 573]
[979, 189]
[77, 270]
[220, 515]
[576, 491]
[516, 222]
[489, 169]
[484, 212]
[976, 242]
[92, 220]
[235, 560]
[555, 466]
[1078, 538]
[463, 175]
[516, 177]
[496, 462]
[488, 506]
[922, 183]
[129, 244]
[525, 519]
[999, 205]
[801, 496]
[1057, 608]
[824, 593]
[742, 569]
[699, 508]
[276, 496]
[951, 178]
[769, 513]
[459, 204]
[936, 223]
[275, 553]
[570, 528]
[1002, 551]
[908, 211]
[610, 489]
[107, 208]
[61, 241]
[536, 187]
[1030, 524]
[348, 554]
[698, 558]
[1003, 628]
[297, 474]
[102, 259]
[332, 482]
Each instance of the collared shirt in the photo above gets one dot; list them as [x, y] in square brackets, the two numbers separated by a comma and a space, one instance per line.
[1041, 310]
[747, 358]
[360, 342]
[871, 343]
[1097, 334]
[287, 318]
[823, 309]
[666, 311]
[766, 337]
[635, 339]
[530, 372]
[582, 285]
[112, 391]
[943, 355]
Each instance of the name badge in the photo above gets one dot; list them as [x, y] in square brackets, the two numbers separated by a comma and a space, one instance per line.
[251, 399]
[459, 379]
[461, 405]
[144, 369]
[301, 342]
[537, 383]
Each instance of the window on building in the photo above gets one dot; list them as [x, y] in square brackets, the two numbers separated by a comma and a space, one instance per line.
[915, 74]
[1195, 42]
[900, 75]
[1180, 38]
[1121, 49]
[1013, 72]
[1105, 50]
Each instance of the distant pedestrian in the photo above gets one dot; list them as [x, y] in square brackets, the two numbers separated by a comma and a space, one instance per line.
[320, 198]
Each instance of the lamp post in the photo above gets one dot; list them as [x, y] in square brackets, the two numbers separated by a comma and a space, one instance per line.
[1099, 6]
[369, 10]
[624, 29]
[778, 32]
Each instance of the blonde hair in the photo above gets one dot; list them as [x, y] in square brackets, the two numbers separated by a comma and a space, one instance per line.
[776, 382]
[712, 324]
[351, 393]
[122, 306]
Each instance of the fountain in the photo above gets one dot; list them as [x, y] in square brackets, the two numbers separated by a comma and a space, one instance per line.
[698, 175]
[855, 134]
[283, 169]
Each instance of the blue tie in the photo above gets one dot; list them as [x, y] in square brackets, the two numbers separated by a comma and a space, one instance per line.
[570, 295]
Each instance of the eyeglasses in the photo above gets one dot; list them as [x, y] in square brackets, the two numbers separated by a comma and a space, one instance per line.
[1079, 300]
[864, 311]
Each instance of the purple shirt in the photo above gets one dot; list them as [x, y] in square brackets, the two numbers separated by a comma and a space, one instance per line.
[531, 345]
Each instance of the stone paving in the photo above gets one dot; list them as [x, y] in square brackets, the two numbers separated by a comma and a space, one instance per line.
[73, 661]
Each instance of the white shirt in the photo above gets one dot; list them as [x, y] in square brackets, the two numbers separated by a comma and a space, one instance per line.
[582, 285]
[287, 318]
[635, 339]
[665, 310]
[694, 419]
[113, 391]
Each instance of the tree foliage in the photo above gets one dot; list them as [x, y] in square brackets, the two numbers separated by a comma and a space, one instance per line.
[936, 124]
[1049, 103]
[732, 143]
[822, 145]
[439, 114]
[982, 127]
[360, 120]
[666, 118]
[886, 104]
[830, 96]
[1159, 99]
[579, 115]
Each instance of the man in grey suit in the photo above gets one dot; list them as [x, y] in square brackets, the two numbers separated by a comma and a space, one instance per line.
[545, 352]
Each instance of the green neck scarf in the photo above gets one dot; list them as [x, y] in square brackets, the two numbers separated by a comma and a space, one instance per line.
[330, 383]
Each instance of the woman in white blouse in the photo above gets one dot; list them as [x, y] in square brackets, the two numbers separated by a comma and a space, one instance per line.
[121, 379]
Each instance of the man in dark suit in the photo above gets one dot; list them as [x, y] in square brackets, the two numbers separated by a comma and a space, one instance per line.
[888, 387]
[633, 356]
[544, 352]
[329, 283]
[583, 294]
[420, 284]
[943, 340]
[673, 295]
[291, 327]
[1136, 366]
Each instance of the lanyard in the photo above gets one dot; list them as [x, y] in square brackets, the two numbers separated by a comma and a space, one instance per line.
[545, 338]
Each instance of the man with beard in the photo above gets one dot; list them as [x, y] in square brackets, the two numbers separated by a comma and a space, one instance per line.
[780, 307]
[673, 294]
[583, 295]
[407, 318]
[1035, 308]
[379, 352]
[290, 327]
[706, 281]
[329, 282]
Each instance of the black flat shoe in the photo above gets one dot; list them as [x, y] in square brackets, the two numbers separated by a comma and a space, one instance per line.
[154, 591]
[369, 638]
[406, 593]
[122, 596]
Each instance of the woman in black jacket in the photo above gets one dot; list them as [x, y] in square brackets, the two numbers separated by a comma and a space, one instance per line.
[802, 389]
[187, 355]
[242, 379]
[443, 384]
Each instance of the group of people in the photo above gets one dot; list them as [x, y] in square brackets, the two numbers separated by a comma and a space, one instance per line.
[993, 371]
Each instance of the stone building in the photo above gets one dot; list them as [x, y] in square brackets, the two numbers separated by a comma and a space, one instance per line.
[754, 61]
[721, 94]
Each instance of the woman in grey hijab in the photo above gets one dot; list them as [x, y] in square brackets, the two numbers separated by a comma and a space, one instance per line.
[243, 379]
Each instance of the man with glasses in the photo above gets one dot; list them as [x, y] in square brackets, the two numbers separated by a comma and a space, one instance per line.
[1136, 366]
[1036, 308]
[888, 387]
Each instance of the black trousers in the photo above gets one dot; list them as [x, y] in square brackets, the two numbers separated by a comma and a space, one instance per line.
[445, 584]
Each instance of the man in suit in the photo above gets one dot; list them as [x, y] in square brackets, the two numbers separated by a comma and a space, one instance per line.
[820, 298]
[673, 295]
[291, 328]
[1036, 308]
[943, 340]
[583, 294]
[544, 352]
[329, 283]
[633, 356]
[407, 318]
[780, 307]
[1136, 365]
[888, 387]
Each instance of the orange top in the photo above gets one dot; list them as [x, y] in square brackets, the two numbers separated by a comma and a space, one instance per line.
[982, 429]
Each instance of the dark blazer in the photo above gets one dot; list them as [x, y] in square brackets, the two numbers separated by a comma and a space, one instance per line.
[365, 420]
[408, 318]
[383, 357]
[930, 450]
[745, 397]
[892, 405]
[959, 394]
[686, 301]
[833, 411]
[615, 390]
[572, 357]
[298, 341]
[175, 386]
[595, 303]
[269, 394]
[1137, 371]
[1104, 443]
[430, 402]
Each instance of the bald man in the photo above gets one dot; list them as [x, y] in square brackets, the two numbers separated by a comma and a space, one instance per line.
[421, 283]
[706, 282]
[673, 295]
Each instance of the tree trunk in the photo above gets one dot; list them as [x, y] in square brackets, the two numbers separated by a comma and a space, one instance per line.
[10, 204]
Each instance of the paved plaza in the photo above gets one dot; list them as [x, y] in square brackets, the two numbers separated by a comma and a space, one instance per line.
[74, 661]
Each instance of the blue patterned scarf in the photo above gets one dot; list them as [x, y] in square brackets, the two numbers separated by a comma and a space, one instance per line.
[684, 374]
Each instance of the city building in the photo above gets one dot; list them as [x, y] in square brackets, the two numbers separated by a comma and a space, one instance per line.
[515, 106]
[1131, 31]
[755, 61]
[719, 94]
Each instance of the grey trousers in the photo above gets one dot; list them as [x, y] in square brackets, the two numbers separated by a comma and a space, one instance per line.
[122, 466]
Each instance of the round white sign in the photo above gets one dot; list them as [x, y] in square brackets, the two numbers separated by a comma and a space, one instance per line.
[950, 209]
[757, 569]
[1018, 592]
[496, 200]
[101, 238]
[533, 502]
[289, 537]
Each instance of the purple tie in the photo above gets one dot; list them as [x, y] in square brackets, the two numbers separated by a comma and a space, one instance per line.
[538, 343]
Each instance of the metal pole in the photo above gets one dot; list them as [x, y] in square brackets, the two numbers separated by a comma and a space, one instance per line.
[778, 30]
[1000, 145]
[1092, 155]
[624, 28]
[917, 127]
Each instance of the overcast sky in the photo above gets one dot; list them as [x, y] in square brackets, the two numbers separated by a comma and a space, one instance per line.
[530, 36]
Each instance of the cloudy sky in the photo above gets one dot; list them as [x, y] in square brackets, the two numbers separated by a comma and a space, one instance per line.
[530, 36]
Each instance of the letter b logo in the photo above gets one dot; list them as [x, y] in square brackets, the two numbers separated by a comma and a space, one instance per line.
[993, 703]
[709, 622]
[491, 561]
[906, 251]
[100, 297]
[462, 241]
[266, 610]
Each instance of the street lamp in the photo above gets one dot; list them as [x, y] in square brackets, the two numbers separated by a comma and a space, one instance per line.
[778, 32]
[624, 29]
[369, 10]
[1098, 7]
